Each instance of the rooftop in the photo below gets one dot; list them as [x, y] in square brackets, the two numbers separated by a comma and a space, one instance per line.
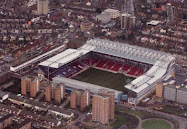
[2, 94]
[153, 22]
[111, 11]
[181, 88]
[39, 104]
[5, 117]
[25, 122]
[63, 58]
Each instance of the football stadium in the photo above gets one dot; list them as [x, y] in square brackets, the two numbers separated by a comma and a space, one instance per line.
[104, 64]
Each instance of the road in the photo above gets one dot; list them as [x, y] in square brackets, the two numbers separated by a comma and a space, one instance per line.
[4, 75]
[7, 85]
[65, 103]
[40, 96]
[181, 120]
[81, 118]
[123, 127]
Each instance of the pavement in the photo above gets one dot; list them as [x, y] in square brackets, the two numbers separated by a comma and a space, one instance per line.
[123, 127]
[40, 96]
[7, 85]
[79, 119]
[65, 103]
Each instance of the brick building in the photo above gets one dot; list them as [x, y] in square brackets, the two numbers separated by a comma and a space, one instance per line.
[80, 98]
[111, 96]
[55, 91]
[85, 100]
[48, 93]
[103, 106]
[159, 90]
[73, 99]
[31, 85]
[100, 109]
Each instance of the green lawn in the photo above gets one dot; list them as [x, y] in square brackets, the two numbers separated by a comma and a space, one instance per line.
[156, 124]
[173, 110]
[121, 109]
[104, 78]
[119, 121]
[123, 118]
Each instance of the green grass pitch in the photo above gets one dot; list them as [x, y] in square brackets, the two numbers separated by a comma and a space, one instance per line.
[103, 78]
[156, 124]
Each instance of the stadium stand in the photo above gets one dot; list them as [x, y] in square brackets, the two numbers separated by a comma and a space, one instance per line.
[37, 59]
[148, 66]
[96, 60]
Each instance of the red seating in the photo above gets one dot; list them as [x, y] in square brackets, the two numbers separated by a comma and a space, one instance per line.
[101, 63]
[126, 67]
[94, 61]
[116, 67]
[109, 65]
[87, 62]
[140, 72]
[97, 61]
[133, 70]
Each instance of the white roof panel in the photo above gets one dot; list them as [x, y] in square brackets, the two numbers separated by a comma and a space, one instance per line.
[64, 58]
[127, 51]
[59, 56]
[15, 69]
[151, 76]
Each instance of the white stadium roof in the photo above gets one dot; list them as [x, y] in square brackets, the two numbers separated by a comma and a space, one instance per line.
[63, 58]
[108, 47]
[126, 51]
[17, 68]
[151, 76]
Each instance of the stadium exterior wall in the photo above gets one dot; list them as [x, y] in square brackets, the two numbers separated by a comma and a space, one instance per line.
[72, 84]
